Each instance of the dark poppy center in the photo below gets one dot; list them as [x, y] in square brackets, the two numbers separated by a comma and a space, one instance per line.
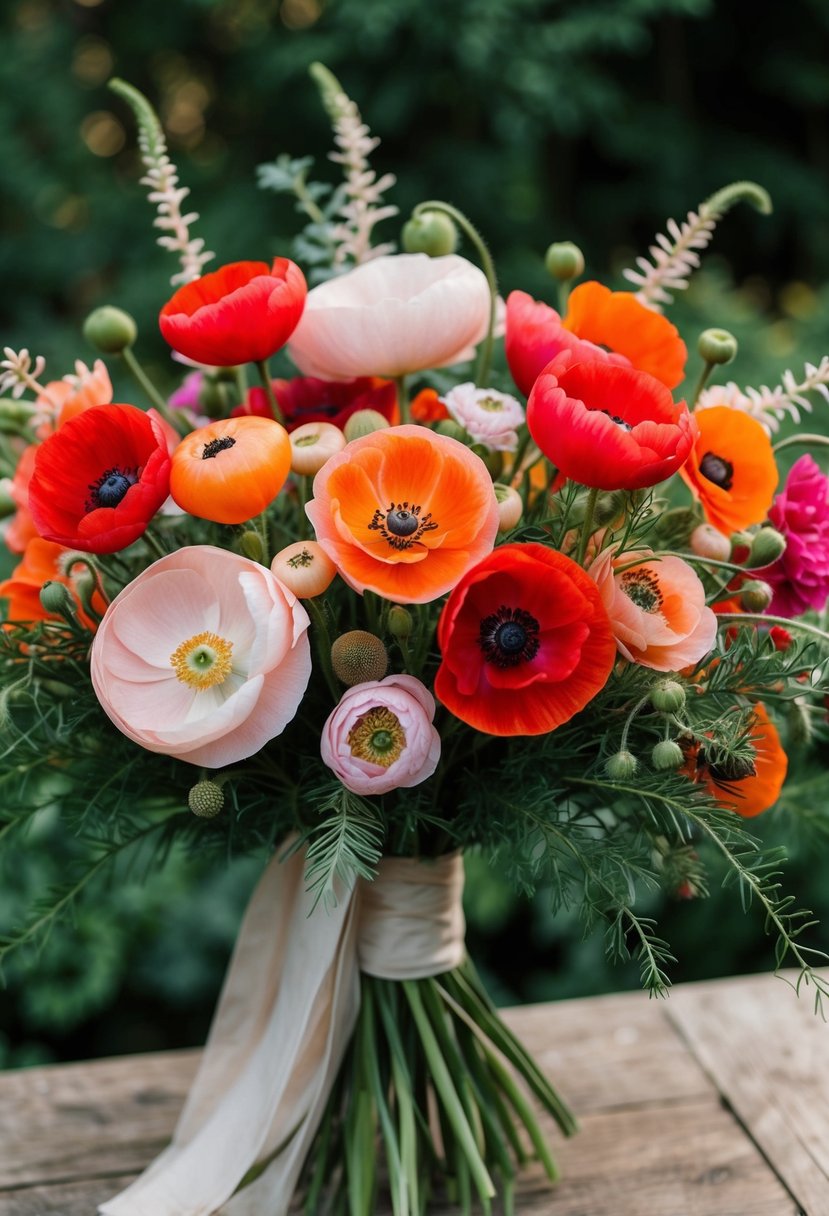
[619, 421]
[401, 522]
[110, 488]
[729, 769]
[642, 587]
[509, 637]
[715, 468]
[215, 446]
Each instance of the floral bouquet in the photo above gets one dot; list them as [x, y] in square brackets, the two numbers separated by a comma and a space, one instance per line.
[394, 607]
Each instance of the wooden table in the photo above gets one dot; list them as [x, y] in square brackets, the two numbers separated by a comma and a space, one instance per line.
[712, 1103]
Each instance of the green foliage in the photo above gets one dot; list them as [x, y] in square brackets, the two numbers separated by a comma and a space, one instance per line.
[345, 846]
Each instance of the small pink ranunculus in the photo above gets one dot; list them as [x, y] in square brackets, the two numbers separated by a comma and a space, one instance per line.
[656, 607]
[800, 578]
[489, 417]
[380, 737]
[204, 656]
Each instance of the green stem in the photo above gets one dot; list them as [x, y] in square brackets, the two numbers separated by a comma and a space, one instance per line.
[762, 618]
[402, 399]
[796, 440]
[262, 528]
[323, 639]
[587, 525]
[488, 267]
[704, 374]
[141, 378]
[155, 544]
[265, 377]
[241, 384]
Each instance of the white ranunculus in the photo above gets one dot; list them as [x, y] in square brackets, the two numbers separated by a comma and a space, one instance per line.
[491, 418]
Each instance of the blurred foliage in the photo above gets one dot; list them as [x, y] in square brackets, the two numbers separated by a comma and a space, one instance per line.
[542, 120]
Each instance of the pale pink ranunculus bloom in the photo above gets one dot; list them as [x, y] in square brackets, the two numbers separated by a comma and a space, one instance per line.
[489, 417]
[380, 737]
[204, 656]
[393, 315]
[656, 607]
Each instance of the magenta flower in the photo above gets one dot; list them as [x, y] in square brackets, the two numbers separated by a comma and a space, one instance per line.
[380, 737]
[800, 578]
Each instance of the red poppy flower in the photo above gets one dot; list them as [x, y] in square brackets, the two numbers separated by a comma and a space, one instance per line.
[100, 479]
[535, 334]
[307, 399]
[241, 313]
[609, 427]
[526, 642]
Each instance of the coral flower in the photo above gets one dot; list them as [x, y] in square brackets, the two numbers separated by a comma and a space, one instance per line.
[63, 399]
[525, 641]
[617, 321]
[404, 512]
[307, 399]
[731, 469]
[609, 427]
[748, 790]
[656, 608]
[204, 656]
[380, 737]
[535, 335]
[21, 527]
[42, 562]
[241, 313]
[800, 578]
[100, 479]
[229, 471]
[393, 315]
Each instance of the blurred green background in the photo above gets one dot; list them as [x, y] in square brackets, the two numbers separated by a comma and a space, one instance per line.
[542, 120]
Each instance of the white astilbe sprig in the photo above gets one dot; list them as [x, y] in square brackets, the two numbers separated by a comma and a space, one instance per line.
[362, 189]
[770, 405]
[18, 373]
[676, 255]
[161, 177]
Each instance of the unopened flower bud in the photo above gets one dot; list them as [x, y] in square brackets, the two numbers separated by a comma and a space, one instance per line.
[432, 232]
[86, 585]
[312, 445]
[400, 622]
[206, 799]
[668, 696]
[57, 600]
[304, 568]
[250, 543]
[667, 755]
[564, 261]
[454, 430]
[717, 346]
[110, 330]
[621, 766]
[358, 656]
[510, 506]
[364, 422]
[493, 460]
[799, 722]
[216, 398]
[609, 507]
[755, 595]
[708, 541]
[766, 546]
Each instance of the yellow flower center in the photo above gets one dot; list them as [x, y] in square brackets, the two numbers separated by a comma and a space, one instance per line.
[203, 660]
[377, 737]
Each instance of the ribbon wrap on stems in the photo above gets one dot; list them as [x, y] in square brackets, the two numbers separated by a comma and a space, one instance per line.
[284, 1020]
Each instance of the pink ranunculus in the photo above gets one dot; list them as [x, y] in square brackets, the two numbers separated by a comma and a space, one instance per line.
[204, 656]
[393, 315]
[800, 578]
[489, 417]
[656, 607]
[380, 737]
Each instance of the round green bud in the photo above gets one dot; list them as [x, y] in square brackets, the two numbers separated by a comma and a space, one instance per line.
[609, 507]
[755, 595]
[740, 541]
[364, 422]
[86, 585]
[767, 545]
[57, 600]
[250, 543]
[717, 346]
[667, 755]
[358, 656]
[110, 330]
[494, 461]
[564, 261]
[668, 696]
[448, 426]
[621, 766]
[400, 622]
[206, 799]
[431, 232]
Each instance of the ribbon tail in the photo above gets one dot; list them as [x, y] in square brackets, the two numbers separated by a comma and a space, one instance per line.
[287, 1010]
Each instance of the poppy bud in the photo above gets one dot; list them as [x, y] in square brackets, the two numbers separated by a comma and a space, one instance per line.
[564, 261]
[251, 545]
[364, 422]
[510, 506]
[57, 600]
[358, 656]
[312, 445]
[621, 766]
[400, 622]
[767, 545]
[667, 755]
[206, 799]
[86, 585]
[668, 696]
[707, 541]
[755, 595]
[110, 330]
[800, 722]
[304, 568]
[431, 232]
[454, 430]
[717, 346]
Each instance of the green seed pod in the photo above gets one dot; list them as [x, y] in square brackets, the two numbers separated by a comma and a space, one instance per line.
[431, 232]
[766, 546]
[364, 422]
[621, 766]
[454, 430]
[110, 330]
[717, 346]
[206, 799]
[250, 543]
[400, 622]
[564, 261]
[755, 595]
[57, 600]
[358, 656]
[667, 755]
[668, 696]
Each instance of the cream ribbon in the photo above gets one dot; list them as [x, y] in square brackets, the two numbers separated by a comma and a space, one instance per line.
[285, 1016]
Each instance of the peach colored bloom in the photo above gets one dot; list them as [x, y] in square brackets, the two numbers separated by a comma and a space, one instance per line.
[63, 399]
[380, 737]
[42, 562]
[204, 656]
[21, 527]
[393, 315]
[657, 609]
[404, 512]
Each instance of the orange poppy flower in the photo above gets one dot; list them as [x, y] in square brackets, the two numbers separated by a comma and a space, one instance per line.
[616, 320]
[747, 793]
[41, 563]
[231, 470]
[427, 407]
[404, 512]
[731, 469]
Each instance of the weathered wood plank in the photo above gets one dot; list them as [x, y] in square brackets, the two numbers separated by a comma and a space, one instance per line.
[769, 1055]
